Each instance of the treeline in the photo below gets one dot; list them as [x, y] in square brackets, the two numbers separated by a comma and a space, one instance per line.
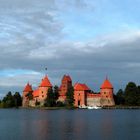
[130, 96]
[11, 100]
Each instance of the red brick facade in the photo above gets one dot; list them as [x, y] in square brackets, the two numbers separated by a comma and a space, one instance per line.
[83, 95]
[39, 94]
[66, 83]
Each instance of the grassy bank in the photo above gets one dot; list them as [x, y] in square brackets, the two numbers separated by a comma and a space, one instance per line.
[48, 108]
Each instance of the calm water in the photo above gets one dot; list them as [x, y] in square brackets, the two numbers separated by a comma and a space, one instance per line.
[20, 124]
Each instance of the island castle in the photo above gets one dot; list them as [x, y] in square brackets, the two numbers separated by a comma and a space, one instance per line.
[83, 95]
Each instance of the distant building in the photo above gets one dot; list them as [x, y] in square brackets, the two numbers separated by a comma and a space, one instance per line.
[38, 95]
[66, 84]
[26, 94]
[106, 91]
[83, 95]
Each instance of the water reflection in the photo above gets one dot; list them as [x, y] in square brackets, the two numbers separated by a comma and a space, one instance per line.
[69, 124]
[107, 126]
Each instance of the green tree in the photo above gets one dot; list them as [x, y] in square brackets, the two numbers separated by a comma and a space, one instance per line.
[56, 92]
[60, 104]
[8, 100]
[120, 97]
[138, 96]
[29, 95]
[70, 97]
[50, 100]
[17, 99]
[37, 103]
[131, 93]
[1, 104]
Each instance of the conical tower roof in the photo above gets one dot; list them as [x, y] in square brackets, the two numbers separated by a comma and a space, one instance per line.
[45, 82]
[28, 88]
[66, 78]
[106, 84]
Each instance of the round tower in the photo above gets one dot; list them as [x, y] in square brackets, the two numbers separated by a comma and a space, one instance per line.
[43, 89]
[106, 91]
[27, 90]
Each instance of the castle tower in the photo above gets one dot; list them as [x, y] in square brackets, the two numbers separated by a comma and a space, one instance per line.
[106, 91]
[80, 94]
[66, 83]
[43, 89]
[27, 90]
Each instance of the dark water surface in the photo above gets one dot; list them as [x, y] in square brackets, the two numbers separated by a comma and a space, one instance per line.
[26, 124]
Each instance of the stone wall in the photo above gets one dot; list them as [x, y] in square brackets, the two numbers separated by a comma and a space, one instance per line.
[107, 102]
[94, 101]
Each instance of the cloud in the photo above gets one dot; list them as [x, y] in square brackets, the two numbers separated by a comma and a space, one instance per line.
[115, 55]
[32, 37]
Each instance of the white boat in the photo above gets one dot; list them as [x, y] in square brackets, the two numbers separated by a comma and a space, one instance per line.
[94, 107]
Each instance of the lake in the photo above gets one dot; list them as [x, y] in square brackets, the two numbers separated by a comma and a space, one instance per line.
[35, 124]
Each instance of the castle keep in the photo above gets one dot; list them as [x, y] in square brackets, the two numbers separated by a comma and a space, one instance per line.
[83, 95]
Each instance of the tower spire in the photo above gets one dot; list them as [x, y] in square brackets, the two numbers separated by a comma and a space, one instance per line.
[46, 71]
[107, 77]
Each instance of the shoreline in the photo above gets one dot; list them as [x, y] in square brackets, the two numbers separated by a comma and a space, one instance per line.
[121, 107]
[73, 108]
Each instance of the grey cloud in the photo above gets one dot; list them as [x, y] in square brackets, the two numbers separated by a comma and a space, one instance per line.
[33, 39]
[86, 62]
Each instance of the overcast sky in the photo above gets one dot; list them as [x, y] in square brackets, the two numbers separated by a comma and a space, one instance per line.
[87, 39]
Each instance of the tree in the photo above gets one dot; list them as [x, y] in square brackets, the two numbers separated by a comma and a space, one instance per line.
[131, 93]
[60, 104]
[50, 100]
[70, 96]
[29, 95]
[37, 103]
[120, 97]
[17, 99]
[8, 100]
[138, 96]
[56, 92]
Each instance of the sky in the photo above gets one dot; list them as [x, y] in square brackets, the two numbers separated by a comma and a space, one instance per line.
[87, 39]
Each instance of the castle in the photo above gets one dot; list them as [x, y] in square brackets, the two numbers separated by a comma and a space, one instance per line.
[83, 95]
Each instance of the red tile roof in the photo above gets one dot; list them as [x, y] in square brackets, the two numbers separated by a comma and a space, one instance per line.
[79, 86]
[36, 93]
[45, 82]
[106, 84]
[28, 88]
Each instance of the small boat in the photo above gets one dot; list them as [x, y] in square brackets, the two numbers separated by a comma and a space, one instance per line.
[94, 107]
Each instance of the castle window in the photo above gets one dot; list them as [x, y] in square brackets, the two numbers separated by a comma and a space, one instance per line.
[42, 95]
[42, 91]
[78, 103]
[106, 96]
[104, 92]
